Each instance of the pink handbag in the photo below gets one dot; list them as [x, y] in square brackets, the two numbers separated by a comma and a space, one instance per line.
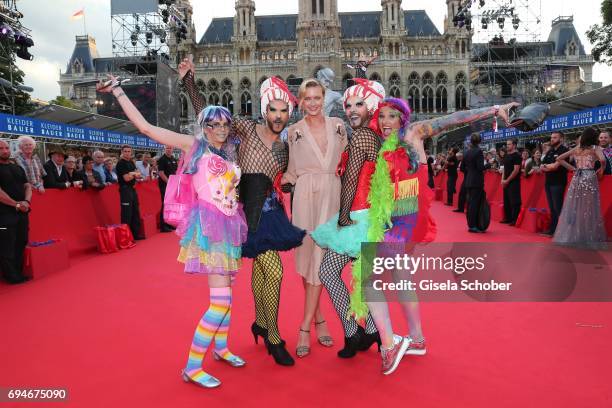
[180, 195]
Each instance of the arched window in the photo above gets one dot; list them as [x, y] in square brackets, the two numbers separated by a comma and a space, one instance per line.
[460, 78]
[246, 104]
[412, 52]
[425, 51]
[206, 59]
[214, 58]
[441, 78]
[414, 99]
[227, 58]
[213, 99]
[245, 83]
[276, 56]
[428, 99]
[460, 98]
[428, 78]
[439, 50]
[77, 66]
[226, 85]
[394, 79]
[414, 79]
[201, 59]
[395, 92]
[375, 77]
[572, 49]
[200, 84]
[228, 102]
[441, 99]
[213, 85]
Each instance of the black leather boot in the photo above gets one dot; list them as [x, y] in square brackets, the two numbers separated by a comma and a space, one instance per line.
[368, 340]
[351, 344]
[280, 354]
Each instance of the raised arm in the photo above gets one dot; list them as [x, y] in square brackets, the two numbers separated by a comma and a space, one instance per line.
[161, 135]
[562, 159]
[429, 128]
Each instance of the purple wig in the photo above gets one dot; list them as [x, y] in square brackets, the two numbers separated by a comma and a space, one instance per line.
[399, 105]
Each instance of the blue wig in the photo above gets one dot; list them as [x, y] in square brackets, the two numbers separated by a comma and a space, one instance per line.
[201, 145]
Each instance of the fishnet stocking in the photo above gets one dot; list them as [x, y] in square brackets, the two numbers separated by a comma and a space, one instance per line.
[269, 263]
[331, 277]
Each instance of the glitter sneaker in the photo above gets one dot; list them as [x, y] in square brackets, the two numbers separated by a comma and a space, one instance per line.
[392, 357]
[414, 348]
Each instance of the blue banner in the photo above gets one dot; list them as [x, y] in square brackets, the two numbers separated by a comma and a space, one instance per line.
[595, 116]
[20, 125]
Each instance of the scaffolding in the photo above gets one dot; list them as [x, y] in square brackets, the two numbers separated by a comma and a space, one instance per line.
[509, 61]
[139, 34]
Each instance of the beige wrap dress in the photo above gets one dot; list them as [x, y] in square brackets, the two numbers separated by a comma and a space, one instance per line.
[317, 187]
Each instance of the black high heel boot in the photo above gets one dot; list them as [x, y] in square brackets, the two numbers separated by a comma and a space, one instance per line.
[351, 344]
[257, 330]
[280, 353]
[369, 339]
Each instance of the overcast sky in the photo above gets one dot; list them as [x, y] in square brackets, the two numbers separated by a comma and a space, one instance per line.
[53, 31]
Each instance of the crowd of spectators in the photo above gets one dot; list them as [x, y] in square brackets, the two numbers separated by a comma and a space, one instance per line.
[25, 172]
[514, 164]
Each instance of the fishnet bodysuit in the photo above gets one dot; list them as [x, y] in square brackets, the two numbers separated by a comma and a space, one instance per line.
[364, 146]
[253, 155]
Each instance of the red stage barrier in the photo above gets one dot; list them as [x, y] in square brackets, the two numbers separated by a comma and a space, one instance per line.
[532, 192]
[72, 214]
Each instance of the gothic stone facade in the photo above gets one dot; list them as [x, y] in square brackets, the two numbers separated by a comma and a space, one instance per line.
[415, 61]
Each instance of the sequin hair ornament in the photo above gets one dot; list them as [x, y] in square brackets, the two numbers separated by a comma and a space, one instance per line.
[273, 89]
[371, 92]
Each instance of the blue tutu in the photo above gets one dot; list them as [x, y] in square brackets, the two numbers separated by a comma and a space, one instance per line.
[343, 240]
[274, 232]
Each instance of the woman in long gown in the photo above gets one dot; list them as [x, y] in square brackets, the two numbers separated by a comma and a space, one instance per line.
[315, 146]
[580, 223]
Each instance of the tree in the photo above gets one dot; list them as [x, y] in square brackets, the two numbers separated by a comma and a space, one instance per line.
[63, 101]
[12, 100]
[601, 35]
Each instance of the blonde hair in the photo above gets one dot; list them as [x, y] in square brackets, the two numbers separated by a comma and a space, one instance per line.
[309, 83]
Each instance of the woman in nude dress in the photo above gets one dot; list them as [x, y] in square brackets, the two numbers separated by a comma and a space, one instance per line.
[315, 146]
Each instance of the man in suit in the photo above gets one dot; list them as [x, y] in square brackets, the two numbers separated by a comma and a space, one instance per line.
[56, 172]
[474, 181]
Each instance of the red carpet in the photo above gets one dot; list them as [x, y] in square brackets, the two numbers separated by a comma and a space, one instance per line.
[115, 330]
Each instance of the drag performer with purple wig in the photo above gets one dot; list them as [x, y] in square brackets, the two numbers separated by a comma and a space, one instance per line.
[213, 232]
[399, 213]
